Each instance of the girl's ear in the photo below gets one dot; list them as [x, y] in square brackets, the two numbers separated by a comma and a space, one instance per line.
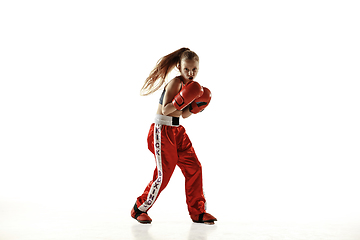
[178, 66]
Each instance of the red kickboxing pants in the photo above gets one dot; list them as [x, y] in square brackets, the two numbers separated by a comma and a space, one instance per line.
[172, 147]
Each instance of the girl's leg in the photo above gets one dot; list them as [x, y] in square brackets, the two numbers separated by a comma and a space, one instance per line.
[166, 157]
[192, 170]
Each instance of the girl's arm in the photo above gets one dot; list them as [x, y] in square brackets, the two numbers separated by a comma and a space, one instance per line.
[186, 112]
[171, 90]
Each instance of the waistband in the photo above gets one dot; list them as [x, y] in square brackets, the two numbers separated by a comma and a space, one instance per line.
[167, 120]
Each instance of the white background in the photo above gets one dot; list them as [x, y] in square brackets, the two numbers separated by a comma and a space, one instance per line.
[280, 138]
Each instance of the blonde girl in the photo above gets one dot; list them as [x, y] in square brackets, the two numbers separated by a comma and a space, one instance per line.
[168, 140]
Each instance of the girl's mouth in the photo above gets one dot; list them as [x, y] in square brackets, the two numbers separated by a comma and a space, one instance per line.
[191, 78]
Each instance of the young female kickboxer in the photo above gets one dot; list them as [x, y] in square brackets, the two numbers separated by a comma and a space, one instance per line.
[167, 139]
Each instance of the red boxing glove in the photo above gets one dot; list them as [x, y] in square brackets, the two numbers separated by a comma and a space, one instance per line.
[188, 93]
[200, 103]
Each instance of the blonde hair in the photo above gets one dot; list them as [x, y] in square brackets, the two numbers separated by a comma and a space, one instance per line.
[163, 67]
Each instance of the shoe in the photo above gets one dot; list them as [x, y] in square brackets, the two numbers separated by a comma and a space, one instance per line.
[203, 218]
[141, 217]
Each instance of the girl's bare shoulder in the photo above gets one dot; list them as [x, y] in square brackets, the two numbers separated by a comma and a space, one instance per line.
[174, 83]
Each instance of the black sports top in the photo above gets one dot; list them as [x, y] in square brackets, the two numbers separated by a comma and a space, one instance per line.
[162, 97]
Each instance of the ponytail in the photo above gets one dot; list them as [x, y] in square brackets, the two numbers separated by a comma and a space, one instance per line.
[158, 75]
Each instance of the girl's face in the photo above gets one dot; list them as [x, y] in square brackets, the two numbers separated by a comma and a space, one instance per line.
[189, 69]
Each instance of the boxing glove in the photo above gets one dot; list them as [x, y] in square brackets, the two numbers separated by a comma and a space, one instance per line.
[188, 93]
[201, 102]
